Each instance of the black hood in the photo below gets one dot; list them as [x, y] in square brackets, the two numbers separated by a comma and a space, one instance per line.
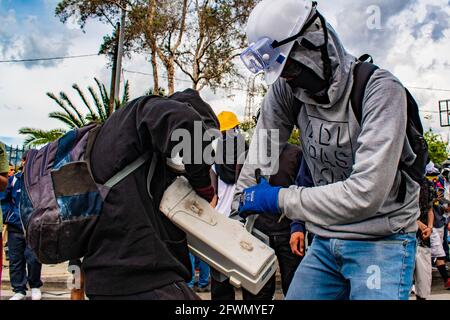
[205, 111]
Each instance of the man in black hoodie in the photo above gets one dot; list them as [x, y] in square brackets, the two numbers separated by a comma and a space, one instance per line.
[135, 252]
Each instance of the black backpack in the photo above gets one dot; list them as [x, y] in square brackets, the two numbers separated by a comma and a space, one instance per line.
[414, 130]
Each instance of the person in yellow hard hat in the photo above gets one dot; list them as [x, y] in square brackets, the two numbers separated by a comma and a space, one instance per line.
[228, 120]
[223, 177]
[226, 169]
[224, 174]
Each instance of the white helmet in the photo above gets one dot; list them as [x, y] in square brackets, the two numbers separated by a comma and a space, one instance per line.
[270, 24]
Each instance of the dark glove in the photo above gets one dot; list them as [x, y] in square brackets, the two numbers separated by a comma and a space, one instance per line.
[261, 198]
[206, 193]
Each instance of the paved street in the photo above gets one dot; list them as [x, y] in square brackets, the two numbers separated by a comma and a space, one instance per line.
[55, 285]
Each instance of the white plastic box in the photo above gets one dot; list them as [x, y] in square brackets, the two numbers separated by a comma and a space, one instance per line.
[221, 242]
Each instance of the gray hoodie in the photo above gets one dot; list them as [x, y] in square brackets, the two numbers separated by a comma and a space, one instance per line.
[354, 168]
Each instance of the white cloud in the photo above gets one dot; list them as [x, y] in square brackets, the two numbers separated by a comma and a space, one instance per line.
[413, 43]
[29, 39]
[23, 87]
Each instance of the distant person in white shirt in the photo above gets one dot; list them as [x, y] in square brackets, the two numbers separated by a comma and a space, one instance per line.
[224, 175]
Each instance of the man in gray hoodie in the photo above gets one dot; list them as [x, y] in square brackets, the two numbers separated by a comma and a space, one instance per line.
[365, 244]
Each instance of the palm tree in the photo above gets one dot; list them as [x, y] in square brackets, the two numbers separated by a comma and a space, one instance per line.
[36, 137]
[98, 110]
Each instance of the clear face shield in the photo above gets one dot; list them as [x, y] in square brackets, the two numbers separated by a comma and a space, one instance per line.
[262, 55]
[265, 54]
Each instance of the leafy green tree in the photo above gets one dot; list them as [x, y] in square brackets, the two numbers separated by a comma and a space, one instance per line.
[437, 148]
[215, 37]
[161, 92]
[248, 127]
[97, 107]
[152, 26]
[295, 137]
[199, 37]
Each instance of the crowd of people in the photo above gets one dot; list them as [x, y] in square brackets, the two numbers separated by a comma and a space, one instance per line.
[342, 212]
[24, 267]
[287, 238]
[432, 235]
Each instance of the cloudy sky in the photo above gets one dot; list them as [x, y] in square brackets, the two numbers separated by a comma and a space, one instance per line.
[410, 38]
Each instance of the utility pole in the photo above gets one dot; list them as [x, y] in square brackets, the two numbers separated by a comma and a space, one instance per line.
[120, 54]
[249, 105]
[112, 91]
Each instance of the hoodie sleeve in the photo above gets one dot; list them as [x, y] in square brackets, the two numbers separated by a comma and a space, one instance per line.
[6, 199]
[272, 132]
[161, 120]
[381, 142]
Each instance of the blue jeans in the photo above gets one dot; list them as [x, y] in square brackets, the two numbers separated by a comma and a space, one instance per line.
[203, 278]
[357, 270]
[21, 260]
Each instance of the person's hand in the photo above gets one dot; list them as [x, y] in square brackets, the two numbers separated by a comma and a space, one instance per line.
[426, 233]
[261, 198]
[448, 227]
[214, 201]
[297, 243]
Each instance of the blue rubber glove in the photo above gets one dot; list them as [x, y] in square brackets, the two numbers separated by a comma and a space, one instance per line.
[262, 198]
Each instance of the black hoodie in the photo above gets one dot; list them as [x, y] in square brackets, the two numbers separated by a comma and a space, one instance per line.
[134, 247]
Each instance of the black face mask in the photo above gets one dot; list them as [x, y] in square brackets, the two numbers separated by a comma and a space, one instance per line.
[310, 46]
[303, 77]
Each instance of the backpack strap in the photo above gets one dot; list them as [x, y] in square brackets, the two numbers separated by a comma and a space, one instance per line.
[297, 108]
[151, 171]
[401, 196]
[129, 169]
[361, 75]
[364, 70]
[366, 58]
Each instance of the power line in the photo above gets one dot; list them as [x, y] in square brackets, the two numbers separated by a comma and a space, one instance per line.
[240, 89]
[48, 59]
[182, 80]
[429, 89]
[148, 74]
[427, 111]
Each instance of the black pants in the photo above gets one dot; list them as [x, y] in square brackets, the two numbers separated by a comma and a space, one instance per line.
[221, 290]
[23, 265]
[288, 263]
[173, 291]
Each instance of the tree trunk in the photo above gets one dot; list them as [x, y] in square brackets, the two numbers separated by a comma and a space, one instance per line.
[112, 91]
[153, 45]
[155, 69]
[195, 75]
[171, 75]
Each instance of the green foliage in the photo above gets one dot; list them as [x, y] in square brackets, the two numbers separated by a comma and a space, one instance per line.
[215, 36]
[71, 116]
[37, 137]
[83, 10]
[161, 92]
[202, 38]
[436, 147]
[248, 127]
[295, 137]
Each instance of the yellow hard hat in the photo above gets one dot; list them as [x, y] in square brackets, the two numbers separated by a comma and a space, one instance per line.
[228, 120]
